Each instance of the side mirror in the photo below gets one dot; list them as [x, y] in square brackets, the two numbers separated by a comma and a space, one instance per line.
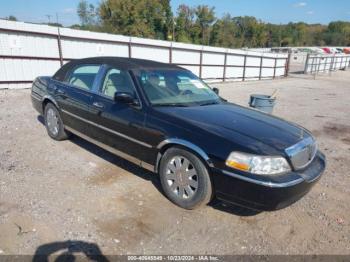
[125, 98]
[216, 90]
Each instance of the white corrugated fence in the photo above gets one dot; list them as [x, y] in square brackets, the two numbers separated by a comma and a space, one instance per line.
[31, 50]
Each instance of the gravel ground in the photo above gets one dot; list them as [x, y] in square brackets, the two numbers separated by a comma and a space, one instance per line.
[53, 192]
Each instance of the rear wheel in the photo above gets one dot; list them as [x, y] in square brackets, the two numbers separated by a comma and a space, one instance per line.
[185, 179]
[53, 123]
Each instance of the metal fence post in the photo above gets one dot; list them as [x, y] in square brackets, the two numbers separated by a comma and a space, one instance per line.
[224, 73]
[200, 62]
[318, 67]
[306, 63]
[346, 63]
[129, 48]
[274, 69]
[341, 62]
[171, 53]
[244, 66]
[260, 67]
[59, 46]
[286, 73]
[330, 67]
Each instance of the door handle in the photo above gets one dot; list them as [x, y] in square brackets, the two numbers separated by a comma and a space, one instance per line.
[61, 92]
[98, 105]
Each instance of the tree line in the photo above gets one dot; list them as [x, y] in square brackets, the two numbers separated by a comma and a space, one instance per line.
[200, 25]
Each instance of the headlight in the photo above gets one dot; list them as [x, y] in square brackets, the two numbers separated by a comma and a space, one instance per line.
[261, 165]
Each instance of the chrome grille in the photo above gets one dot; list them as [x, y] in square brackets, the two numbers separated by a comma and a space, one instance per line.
[302, 153]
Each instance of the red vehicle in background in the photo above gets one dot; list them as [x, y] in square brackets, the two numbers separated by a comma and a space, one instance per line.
[327, 50]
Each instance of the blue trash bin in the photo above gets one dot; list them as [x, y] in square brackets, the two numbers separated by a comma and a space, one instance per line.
[263, 103]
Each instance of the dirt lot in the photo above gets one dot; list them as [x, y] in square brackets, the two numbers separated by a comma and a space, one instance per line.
[57, 191]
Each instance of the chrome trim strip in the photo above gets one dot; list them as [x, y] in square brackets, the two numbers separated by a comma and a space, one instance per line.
[299, 147]
[263, 183]
[187, 144]
[107, 129]
[112, 150]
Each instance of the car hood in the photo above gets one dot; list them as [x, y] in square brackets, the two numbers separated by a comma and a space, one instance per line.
[233, 122]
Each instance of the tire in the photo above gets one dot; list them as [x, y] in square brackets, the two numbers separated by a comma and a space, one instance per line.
[53, 123]
[185, 179]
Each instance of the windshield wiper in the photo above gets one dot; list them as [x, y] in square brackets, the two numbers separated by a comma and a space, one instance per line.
[172, 104]
[209, 103]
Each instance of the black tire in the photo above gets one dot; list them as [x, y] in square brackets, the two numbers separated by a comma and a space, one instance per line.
[61, 134]
[201, 195]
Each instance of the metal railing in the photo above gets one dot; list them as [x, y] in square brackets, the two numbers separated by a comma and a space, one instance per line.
[326, 63]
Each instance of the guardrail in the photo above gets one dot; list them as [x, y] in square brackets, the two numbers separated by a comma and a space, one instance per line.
[30, 50]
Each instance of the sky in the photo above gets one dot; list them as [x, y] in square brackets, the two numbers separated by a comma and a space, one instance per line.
[274, 11]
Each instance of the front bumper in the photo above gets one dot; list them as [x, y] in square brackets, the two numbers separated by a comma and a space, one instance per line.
[262, 194]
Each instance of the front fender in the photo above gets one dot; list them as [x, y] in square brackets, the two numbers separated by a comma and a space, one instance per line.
[176, 141]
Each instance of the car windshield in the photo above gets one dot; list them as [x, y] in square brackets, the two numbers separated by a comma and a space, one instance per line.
[176, 88]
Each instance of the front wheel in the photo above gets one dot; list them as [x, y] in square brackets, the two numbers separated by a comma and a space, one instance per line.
[185, 179]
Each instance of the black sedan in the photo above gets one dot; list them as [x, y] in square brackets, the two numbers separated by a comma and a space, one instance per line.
[165, 119]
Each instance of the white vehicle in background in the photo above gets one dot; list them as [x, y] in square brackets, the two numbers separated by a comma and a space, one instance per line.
[319, 51]
[336, 50]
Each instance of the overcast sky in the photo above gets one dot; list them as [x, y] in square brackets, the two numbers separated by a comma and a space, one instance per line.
[275, 11]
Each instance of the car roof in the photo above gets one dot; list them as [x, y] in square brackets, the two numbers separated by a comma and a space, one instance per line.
[125, 63]
[122, 63]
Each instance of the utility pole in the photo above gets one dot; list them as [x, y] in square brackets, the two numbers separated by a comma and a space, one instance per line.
[173, 37]
[57, 19]
[208, 35]
[49, 17]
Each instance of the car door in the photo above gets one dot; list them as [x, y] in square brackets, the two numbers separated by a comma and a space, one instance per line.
[121, 126]
[74, 97]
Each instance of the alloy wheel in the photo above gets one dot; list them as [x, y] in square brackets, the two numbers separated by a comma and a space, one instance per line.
[181, 177]
[52, 121]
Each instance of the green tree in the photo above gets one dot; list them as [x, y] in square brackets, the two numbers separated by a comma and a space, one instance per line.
[274, 35]
[169, 19]
[250, 32]
[55, 24]
[87, 13]
[11, 18]
[198, 25]
[205, 18]
[338, 33]
[143, 18]
[184, 24]
[224, 32]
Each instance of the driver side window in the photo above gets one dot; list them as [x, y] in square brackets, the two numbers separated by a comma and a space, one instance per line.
[117, 81]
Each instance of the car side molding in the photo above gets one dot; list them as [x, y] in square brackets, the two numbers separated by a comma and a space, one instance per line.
[112, 150]
[187, 144]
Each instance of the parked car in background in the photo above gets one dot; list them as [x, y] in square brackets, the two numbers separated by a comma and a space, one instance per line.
[164, 118]
[339, 50]
[327, 50]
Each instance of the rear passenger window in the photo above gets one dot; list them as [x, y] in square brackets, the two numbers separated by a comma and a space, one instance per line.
[84, 76]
